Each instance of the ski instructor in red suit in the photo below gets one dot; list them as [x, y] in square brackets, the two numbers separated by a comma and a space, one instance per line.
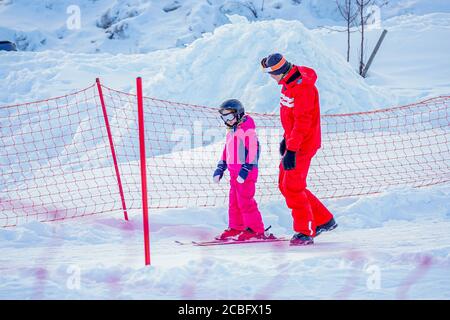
[300, 118]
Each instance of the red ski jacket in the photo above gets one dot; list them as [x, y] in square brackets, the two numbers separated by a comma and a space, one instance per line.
[300, 110]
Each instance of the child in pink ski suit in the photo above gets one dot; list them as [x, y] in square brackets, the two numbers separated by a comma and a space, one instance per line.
[240, 157]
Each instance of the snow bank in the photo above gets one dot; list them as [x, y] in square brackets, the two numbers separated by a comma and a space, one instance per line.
[413, 7]
[396, 204]
[137, 26]
[227, 63]
[410, 64]
[133, 26]
[216, 67]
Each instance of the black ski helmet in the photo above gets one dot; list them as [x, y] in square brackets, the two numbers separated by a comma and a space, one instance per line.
[234, 105]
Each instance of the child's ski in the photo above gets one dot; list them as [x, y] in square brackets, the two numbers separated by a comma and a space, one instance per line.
[222, 242]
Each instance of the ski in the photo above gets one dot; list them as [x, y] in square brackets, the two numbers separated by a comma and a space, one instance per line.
[181, 243]
[222, 242]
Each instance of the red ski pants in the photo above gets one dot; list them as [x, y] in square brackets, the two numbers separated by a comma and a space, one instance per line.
[307, 211]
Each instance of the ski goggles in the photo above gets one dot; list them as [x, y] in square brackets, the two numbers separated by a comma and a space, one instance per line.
[228, 117]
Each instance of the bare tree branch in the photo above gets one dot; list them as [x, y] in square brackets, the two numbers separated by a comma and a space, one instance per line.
[349, 13]
[362, 4]
[336, 30]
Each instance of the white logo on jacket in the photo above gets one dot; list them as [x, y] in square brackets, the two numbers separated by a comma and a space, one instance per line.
[286, 101]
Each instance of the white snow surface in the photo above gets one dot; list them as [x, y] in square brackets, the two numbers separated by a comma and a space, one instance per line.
[390, 246]
[140, 26]
[225, 63]
[412, 62]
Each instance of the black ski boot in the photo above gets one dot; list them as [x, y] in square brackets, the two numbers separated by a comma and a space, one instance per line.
[330, 225]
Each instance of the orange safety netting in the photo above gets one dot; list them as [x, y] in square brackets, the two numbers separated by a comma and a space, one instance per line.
[75, 156]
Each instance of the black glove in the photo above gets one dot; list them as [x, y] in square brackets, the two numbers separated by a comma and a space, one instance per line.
[243, 173]
[288, 160]
[218, 173]
[282, 147]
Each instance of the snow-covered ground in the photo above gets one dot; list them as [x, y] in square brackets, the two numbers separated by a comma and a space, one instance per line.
[389, 246]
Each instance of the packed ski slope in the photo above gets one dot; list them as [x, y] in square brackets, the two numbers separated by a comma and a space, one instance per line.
[394, 245]
[391, 246]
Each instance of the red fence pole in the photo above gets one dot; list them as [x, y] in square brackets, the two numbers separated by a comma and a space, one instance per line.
[140, 101]
[111, 144]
